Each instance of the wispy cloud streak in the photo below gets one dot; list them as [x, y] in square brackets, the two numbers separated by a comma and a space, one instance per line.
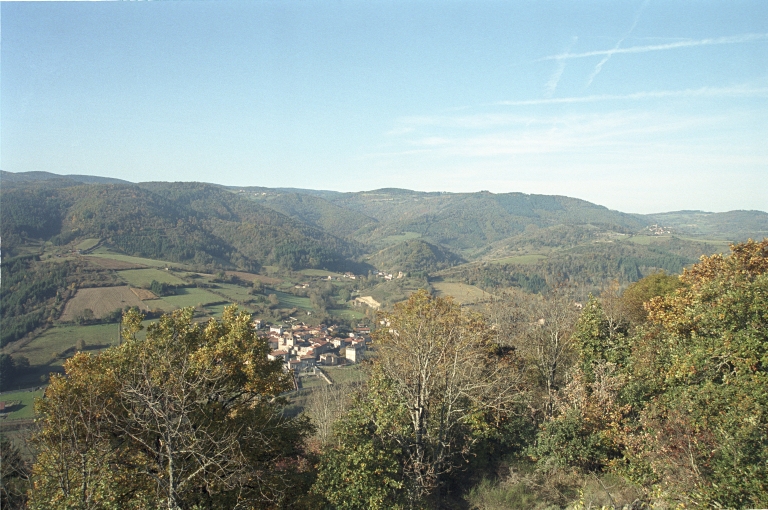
[551, 85]
[737, 39]
[737, 91]
[607, 57]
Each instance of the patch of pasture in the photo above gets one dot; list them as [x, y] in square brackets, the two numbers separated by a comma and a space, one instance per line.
[522, 260]
[87, 244]
[24, 404]
[144, 277]
[101, 301]
[106, 254]
[234, 292]
[190, 297]
[291, 301]
[322, 273]
[463, 293]
[56, 340]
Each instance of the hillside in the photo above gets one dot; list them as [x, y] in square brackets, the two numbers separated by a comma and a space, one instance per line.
[414, 255]
[182, 222]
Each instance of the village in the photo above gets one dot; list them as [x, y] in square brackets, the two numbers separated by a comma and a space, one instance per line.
[302, 347]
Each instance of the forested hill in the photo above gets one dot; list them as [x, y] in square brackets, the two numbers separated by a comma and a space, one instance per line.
[506, 238]
[183, 222]
[464, 222]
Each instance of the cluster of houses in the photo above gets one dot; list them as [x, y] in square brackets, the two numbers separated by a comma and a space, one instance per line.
[304, 347]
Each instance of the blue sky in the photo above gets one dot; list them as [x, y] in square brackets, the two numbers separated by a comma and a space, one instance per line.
[642, 106]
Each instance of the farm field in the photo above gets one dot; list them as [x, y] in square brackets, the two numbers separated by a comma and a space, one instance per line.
[523, 260]
[218, 310]
[25, 408]
[399, 238]
[101, 301]
[461, 292]
[132, 260]
[234, 292]
[88, 244]
[143, 277]
[346, 314]
[111, 263]
[60, 338]
[291, 301]
[250, 277]
[320, 272]
[189, 297]
[345, 375]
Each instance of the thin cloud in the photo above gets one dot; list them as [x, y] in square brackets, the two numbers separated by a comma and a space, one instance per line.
[607, 57]
[736, 91]
[736, 39]
[551, 85]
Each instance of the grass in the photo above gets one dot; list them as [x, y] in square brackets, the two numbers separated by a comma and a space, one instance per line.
[345, 375]
[106, 254]
[399, 238]
[143, 277]
[190, 297]
[88, 244]
[461, 292]
[234, 292]
[319, 272]
[291, 301]
[60, 338]
[218, 310]
[346, 314]
[25, 409]
[523, 260]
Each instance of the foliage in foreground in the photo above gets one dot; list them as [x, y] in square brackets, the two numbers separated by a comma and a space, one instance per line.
[189, 417]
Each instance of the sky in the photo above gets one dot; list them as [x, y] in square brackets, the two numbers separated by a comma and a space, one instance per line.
[641, 106]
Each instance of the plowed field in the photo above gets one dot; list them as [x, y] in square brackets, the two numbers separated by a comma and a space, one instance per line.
[101, 301]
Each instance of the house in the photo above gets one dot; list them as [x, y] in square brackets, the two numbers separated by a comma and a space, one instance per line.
[308, 361]
[355, 351]
[329, 359]
[278, 355]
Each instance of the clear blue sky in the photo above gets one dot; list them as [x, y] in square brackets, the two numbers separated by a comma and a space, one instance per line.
[641, 106]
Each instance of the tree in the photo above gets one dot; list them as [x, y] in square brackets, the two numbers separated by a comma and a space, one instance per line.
[445, 374]
[7, 371]
[14, 476]
[540, 329]
[642, 291]
[190, 416]
[702, 436]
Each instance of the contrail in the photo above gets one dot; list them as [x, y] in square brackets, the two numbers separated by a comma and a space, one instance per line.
[555, 78]
[736, 39]
[736, 91]
[610, 53]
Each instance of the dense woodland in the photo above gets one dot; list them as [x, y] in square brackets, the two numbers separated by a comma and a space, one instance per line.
[610, 367]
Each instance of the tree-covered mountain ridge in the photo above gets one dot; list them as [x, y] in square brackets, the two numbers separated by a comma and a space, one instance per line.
[247, 227]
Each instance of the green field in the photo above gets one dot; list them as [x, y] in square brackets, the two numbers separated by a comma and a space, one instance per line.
[105, 254]
[88, 244]
[461, 292]
[291, 301]
[26, 408]
[346, 314]
[234, 292]
[319, 272]
[60, 338]
[190, 297]
[345, 375]
[143, 277]
[399, 238]
[218, 310]
[522, 260]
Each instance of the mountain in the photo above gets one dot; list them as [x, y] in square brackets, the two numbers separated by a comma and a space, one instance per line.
[414, 255]
[181, 222]
[732, 225]
[25, 177]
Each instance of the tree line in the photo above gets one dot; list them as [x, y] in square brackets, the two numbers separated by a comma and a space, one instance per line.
[659, 390]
